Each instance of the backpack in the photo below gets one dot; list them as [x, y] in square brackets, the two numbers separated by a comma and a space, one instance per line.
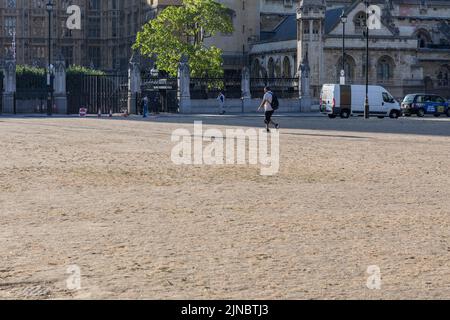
[275, 102]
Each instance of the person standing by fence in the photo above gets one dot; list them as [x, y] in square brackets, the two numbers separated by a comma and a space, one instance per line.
[221, 99]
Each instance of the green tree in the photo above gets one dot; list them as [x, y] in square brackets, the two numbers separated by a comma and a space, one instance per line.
[182, 30]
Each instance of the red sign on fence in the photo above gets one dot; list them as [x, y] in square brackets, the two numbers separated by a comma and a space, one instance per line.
[83, 112]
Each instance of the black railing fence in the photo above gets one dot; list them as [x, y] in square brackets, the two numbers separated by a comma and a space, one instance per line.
[284, 88]
[31, 93]
[31, 82]
[102, 93]
[210, 88]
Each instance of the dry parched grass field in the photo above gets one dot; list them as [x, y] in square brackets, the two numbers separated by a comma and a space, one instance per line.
[103, 195]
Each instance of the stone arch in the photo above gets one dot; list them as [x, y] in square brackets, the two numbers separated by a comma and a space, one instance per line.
[287, 67]
[271, 67]
[423, 38]
[350, 68]
[255, 68]
[385, 68]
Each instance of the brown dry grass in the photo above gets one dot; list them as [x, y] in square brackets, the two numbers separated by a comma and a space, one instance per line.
[104, 195]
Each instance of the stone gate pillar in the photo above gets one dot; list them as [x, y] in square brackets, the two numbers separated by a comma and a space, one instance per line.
[9, 84]
[60, 94]
[305, 86]
[245, 88]
[184, 83]
[134, 84]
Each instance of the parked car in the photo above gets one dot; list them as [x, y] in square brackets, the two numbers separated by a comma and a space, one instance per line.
[423, 104]
[346, 100]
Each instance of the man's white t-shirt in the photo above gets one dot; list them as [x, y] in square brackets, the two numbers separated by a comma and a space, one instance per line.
[268, 104]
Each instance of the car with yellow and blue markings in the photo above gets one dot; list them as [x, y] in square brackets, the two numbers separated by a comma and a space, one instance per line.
[423, 104]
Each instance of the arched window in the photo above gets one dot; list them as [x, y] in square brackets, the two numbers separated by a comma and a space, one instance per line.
[443, 76]
[423, 38]
[360, 21]
[305, 24]
[385, 68]
[287, 68]
[350, 66]
[271, 68]
[316, 27]
[256, 67]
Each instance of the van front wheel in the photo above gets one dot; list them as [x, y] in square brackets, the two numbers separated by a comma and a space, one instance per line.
[394, 114]
[345, 114]
[332, 116]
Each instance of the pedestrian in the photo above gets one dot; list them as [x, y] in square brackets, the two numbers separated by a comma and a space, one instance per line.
[270, 104]
[221, 99]
[145, 100]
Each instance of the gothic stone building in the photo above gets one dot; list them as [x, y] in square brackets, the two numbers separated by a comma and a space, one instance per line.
[410, 53]
[108, 30]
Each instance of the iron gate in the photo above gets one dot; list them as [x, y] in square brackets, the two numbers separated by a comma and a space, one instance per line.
[31, 93]
[162, 93]
[103, 93]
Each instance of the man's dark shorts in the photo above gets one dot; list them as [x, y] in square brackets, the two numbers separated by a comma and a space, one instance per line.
[269, 115]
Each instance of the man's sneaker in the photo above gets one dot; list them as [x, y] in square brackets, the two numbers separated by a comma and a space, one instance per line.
[268, 130]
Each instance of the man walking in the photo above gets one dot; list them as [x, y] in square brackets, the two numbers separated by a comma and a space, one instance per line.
[270, 104]
[221, 99]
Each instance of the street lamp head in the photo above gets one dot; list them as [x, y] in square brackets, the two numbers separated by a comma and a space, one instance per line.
[154, 72]
[49, 6]
[344, 17]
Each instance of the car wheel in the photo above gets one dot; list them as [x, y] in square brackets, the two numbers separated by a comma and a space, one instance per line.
[448, 112]
[394, 114]
[345, 114]
[407, 115]
[421, 113]
[332, 116]
[437, 115]
[380, 117]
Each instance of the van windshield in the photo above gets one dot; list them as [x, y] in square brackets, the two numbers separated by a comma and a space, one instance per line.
[409, 98]
[388, 98]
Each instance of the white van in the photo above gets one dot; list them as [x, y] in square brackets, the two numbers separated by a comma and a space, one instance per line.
[346, 100]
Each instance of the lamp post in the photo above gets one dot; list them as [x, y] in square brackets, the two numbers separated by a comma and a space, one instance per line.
[366, 104]
[49, 69]
[344, 19]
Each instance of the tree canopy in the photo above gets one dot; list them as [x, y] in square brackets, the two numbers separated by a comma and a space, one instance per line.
[182, 30]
